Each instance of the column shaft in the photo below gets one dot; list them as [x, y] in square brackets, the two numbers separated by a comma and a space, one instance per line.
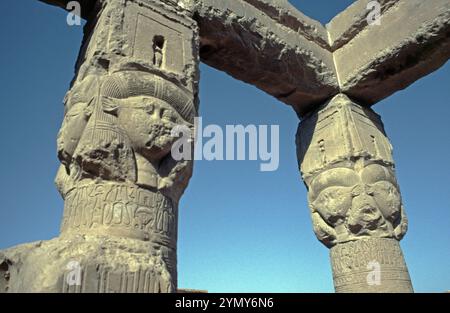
[136, 79]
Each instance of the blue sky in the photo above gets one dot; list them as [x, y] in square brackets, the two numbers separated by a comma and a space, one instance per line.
[240, 230]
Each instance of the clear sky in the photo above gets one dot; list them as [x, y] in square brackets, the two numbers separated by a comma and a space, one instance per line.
[240, 230]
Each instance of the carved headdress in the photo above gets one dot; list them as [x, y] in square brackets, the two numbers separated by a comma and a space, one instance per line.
[122, 85]
[338, 134]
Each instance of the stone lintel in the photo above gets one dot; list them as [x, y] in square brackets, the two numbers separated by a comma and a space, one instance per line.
[345, 26]
[252, 46]
[412, 41]
[294, 58]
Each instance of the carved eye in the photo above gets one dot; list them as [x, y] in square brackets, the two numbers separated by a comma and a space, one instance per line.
[168, 115]
[393, 191]
[149, 108]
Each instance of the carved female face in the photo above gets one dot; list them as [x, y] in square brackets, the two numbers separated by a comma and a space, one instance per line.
[148, 123]
[359, 202]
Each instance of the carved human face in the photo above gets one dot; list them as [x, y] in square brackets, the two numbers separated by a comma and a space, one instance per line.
[75, 121]
[148, 123]
[357, 203]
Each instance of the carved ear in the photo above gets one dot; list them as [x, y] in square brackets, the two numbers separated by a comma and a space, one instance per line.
[324, 232]
[402, 226]
[110, 105]
[311, 202]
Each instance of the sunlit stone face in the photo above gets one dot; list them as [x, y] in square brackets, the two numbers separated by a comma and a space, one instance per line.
[353, 203]
[148, 122]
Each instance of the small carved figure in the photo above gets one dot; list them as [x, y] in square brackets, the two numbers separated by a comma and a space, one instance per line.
[158, 53]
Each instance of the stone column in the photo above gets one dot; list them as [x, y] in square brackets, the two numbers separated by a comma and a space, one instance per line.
[136, 79]
[346, 163]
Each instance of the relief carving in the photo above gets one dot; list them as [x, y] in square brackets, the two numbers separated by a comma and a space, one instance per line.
[136, 79]
[117, 174]
[153, 277]
[124, 210]
[347, 204]
[346, 162]
[120, 130]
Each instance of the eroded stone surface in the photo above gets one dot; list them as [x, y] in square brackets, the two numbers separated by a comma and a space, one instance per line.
[412, 41]
[136, 79]
[349, 23]
[370, 265]
[275, 47]
[287, 15]
[253, 47]
[82, 263]
[346, 162]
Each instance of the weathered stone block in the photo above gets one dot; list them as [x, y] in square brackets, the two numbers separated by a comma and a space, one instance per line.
[83, 263]
[282, 59]
[412, 41]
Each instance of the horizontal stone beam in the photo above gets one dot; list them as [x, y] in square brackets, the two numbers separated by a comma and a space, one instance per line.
[268, 44]
[271, 46]
[375, 61]
[347, 24]
[287, 15]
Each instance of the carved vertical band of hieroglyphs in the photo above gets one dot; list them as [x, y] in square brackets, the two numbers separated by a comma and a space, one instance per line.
[123, 209]
[101, 279]
[351, 266]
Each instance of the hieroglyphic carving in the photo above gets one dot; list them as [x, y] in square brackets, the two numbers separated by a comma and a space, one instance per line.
[118, 177]
[137, 79]
[353, 191]
[340, 132]
[103, 279]
[348, 204]
[346, 162]
[123, 133]
[351, 266]
[125, 210]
